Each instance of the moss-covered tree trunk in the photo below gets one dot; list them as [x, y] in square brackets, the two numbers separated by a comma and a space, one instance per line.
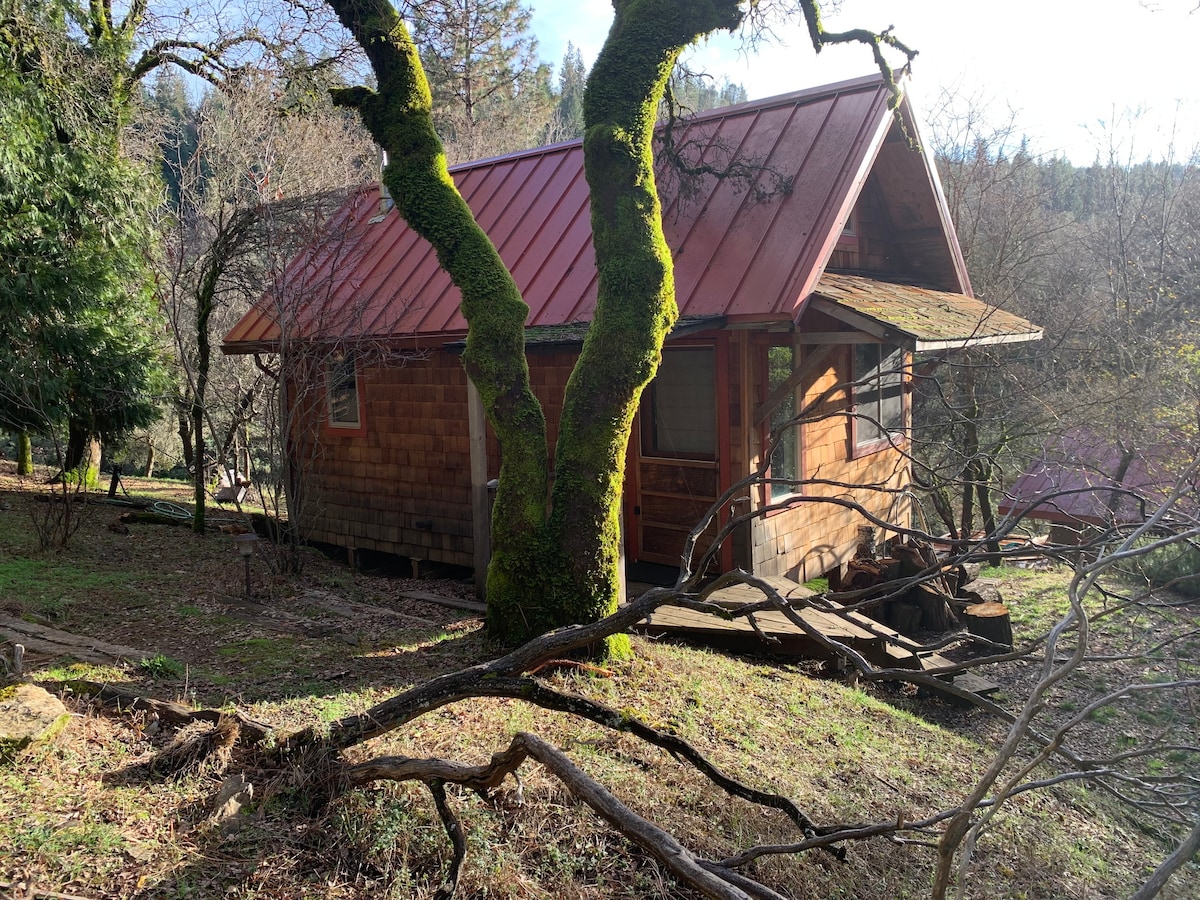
[81, 461]
[635, 307]
[560, 570]
[398, 115]
[24, 454]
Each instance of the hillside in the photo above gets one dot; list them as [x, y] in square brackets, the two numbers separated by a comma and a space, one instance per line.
[83, 818]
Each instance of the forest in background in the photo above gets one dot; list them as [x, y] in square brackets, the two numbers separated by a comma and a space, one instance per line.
[198, 200]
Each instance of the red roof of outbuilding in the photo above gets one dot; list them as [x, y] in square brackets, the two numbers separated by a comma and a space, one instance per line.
[744, 247]
[1073, 481]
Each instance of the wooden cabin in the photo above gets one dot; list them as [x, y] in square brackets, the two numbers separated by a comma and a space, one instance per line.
[827, 257]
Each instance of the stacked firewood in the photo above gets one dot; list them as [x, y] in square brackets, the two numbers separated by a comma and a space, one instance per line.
[942, 603]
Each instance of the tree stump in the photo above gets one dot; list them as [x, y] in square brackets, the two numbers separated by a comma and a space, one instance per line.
[982, 592]
[937, 611]
[990, 621]
[904, 617]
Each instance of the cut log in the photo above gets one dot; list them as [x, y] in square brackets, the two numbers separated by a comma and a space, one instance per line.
[867, 573]
[959, 575]
[982, 591]
[969, 573]
[990, 621]
[904, 617]
[937, 611]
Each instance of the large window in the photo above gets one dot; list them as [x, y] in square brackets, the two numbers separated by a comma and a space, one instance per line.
[879, 396]
[341, 385]
[680, 419]
[785, 456]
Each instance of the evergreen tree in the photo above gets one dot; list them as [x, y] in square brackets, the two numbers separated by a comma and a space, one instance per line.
[176, 125]
[568, 114]
[490, 94]
[695, 92]
[78, 333]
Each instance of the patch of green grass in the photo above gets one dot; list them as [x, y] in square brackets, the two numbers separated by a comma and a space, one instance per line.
[47, 587]
[85, 672]
[262, 657]
[161, 666]
[71, 849]
[187, 610]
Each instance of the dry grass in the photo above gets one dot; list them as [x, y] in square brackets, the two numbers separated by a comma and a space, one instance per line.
[84, 817]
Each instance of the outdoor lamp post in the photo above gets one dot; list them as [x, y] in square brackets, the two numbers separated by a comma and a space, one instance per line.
[245, 546]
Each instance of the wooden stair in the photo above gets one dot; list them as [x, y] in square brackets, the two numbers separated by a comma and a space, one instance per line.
[873, 640]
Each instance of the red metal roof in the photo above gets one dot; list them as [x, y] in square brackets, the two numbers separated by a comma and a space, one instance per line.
[751, 247]
[1072, 482]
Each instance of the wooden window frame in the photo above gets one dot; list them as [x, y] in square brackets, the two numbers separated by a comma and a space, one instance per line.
[648, 445]
[897, 439]
[848, 236]
[768, 498]
[332, 426]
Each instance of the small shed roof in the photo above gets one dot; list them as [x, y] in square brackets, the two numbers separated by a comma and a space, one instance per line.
[916, 317]
[1072, 482]
[748, 247]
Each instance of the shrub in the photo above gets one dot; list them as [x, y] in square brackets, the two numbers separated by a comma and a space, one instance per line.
[1176, 565]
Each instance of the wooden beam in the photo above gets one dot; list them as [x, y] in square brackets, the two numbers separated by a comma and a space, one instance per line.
[836, 337]
[481, 512]
[777, 396]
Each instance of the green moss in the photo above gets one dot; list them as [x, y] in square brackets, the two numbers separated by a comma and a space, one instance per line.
[548, 573]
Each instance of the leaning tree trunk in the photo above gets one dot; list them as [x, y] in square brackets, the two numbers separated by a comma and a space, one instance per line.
[563, 571]
[398, 116]
[635, 305]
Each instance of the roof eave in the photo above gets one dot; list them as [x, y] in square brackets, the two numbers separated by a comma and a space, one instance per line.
[246, 348]
[975, 341]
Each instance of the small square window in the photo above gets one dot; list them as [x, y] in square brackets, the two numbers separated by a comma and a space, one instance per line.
[341, 383]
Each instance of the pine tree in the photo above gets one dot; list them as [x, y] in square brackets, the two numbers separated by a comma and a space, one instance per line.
[490, 93]
[568, 114]
[78, 344]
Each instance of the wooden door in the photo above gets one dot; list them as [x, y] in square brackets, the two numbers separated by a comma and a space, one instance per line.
[678, 464]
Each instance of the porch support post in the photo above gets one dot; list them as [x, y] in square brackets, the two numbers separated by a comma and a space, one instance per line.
[481, 513]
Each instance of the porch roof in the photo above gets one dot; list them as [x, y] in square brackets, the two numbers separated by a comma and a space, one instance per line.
[916, 317]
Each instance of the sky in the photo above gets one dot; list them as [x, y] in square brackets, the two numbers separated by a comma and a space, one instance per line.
[1077, 77]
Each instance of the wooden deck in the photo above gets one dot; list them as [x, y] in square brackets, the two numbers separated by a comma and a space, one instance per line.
[873, 640]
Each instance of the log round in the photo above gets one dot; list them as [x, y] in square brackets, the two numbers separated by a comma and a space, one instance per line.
[991, 621]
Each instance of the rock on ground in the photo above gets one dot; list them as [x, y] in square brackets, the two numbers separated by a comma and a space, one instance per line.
[29, 715]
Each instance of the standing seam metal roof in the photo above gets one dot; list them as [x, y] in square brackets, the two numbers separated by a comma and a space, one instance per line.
[752, 246]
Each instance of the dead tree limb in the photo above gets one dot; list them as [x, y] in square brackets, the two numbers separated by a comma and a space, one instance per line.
[709, 878]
